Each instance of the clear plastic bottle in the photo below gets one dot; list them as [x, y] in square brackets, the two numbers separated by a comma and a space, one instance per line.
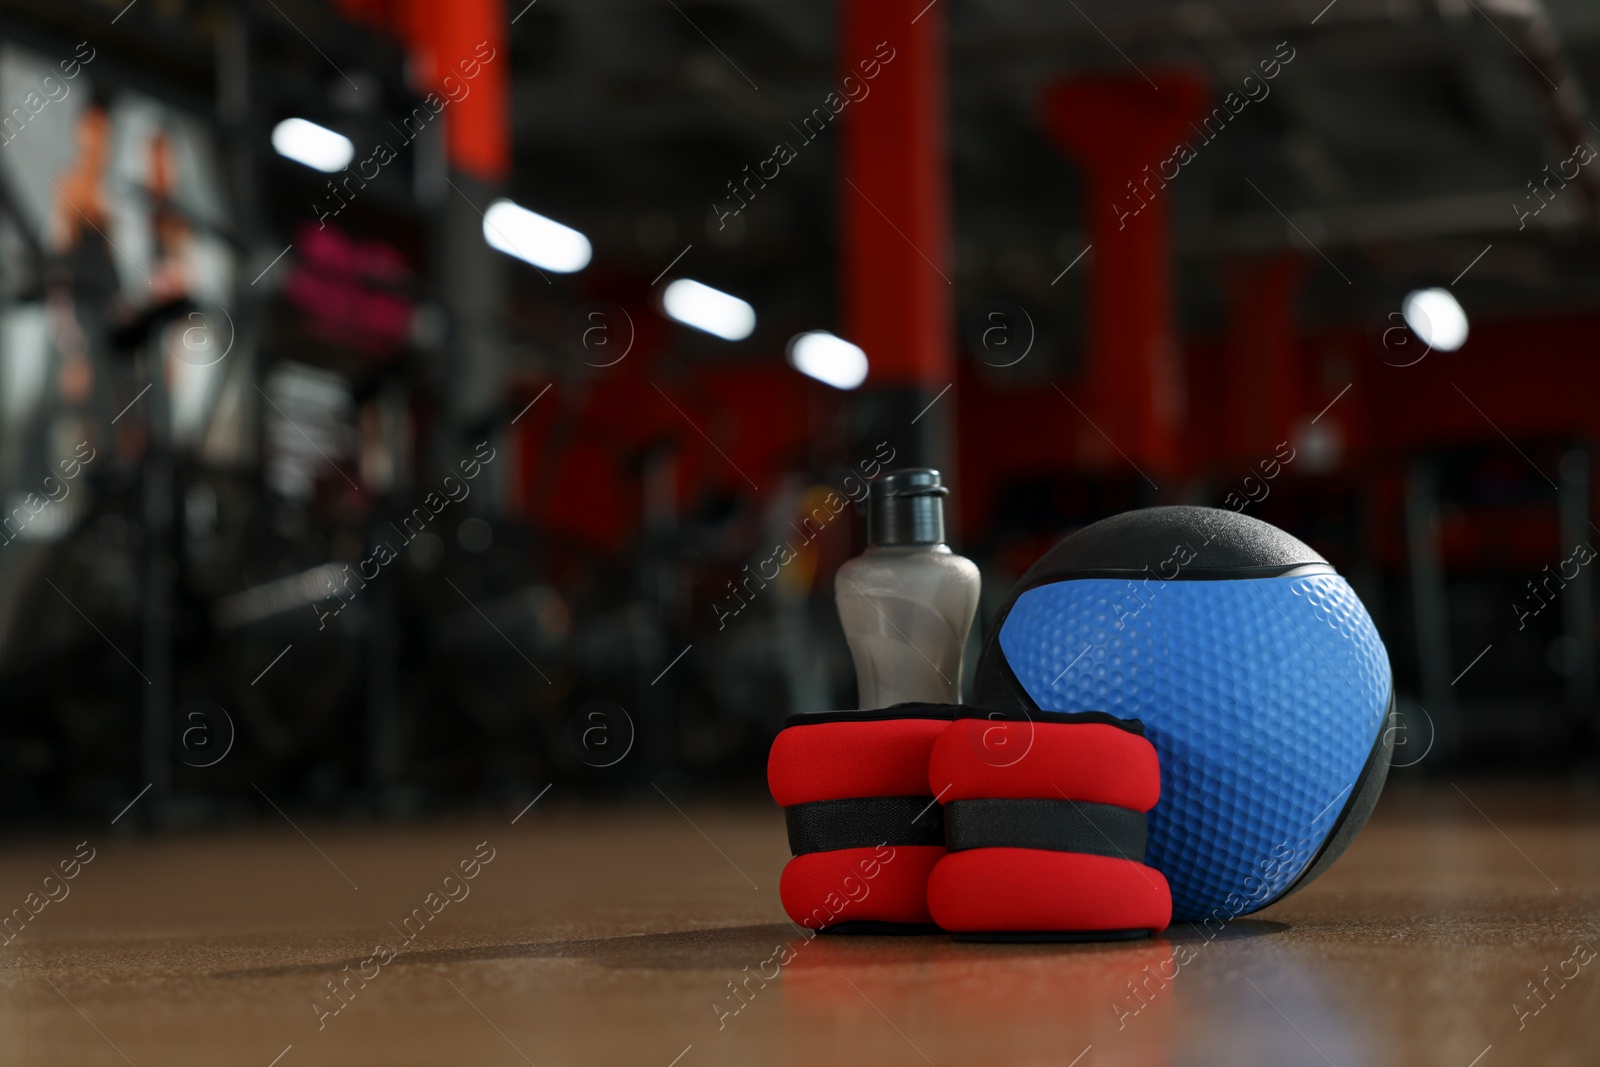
[907, 602]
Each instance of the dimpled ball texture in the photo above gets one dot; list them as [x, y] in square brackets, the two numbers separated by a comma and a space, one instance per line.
[1254, 667]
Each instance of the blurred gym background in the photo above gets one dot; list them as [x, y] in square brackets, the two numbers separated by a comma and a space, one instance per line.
[402, 402]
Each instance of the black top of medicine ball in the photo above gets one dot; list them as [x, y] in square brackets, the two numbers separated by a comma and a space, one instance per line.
[1176, 544]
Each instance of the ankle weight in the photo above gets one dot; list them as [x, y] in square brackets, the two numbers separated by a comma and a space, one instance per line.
[1046, 829]
[863, 826]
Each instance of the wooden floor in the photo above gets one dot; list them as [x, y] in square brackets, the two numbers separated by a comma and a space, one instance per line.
[613, 937]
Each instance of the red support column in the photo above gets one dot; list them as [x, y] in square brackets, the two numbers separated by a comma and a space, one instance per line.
[465, 41]
[1265, 377]
[448, 34]
[454, 38]
[1124, 133]
[894, 209]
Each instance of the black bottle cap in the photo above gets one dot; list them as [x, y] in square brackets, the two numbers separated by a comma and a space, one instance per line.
[907, 508]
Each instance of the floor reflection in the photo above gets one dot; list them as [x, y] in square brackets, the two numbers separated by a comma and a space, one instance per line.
[1235, 995]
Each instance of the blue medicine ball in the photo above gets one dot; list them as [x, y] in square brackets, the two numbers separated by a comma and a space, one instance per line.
[1255, 669]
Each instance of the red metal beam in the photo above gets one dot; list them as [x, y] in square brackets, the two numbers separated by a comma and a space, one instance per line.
[460, 53]
[1121, 131]
[1265, 374]
[894, 197]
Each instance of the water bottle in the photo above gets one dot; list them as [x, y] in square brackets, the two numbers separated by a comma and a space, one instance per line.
[907, 602]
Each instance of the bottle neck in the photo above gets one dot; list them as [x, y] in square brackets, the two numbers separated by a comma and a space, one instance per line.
[905, 520]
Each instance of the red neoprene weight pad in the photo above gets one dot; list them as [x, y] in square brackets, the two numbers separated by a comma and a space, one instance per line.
[985, 758]
[888, 884]
[1037, 890]
[848, 759]
[1026, 890]
[835, 760]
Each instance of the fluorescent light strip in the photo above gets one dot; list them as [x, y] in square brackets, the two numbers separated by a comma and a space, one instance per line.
[532, 238]
[828, 359]
[1436, 318]
[313, 146]
[708, 309]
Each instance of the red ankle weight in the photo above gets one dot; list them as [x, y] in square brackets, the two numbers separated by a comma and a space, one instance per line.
[1045, 827]
[863, 827]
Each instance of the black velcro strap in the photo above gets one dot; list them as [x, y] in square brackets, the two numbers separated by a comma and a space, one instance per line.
[949, 712]
[863, 822]
[1054, 825]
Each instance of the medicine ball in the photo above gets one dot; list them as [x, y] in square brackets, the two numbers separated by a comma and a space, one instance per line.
[1255, 669]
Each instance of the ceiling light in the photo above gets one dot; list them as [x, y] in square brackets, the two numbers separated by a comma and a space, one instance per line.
[709, 309]
[532, 238]
[1436, 318]
[829, 359]
[315, 146]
